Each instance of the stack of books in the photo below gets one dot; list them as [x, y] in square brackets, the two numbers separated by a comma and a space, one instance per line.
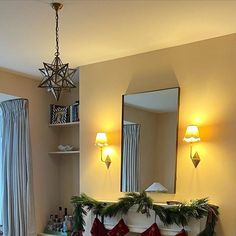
[73, 112]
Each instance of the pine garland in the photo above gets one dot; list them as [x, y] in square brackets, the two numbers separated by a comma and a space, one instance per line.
[144, 203]
[79, 214]
[176, 214]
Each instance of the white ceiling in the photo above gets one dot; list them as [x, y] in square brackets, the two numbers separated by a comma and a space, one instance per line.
[93, 31]
[156, 101]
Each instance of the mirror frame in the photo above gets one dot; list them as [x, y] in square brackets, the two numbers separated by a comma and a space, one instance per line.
[177, 131]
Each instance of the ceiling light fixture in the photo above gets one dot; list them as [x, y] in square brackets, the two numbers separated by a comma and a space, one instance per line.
[57, 77]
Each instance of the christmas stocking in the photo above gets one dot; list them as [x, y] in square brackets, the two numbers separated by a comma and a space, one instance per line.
[120, 229]
[182, 233]
[98, 228]
[153, 230]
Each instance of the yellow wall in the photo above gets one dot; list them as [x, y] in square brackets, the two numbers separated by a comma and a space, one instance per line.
[43, 138]
[206, 74]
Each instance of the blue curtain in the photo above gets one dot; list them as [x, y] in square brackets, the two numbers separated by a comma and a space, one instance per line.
[18, 202]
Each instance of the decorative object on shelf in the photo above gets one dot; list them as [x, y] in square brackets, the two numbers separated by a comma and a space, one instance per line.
[67, 124]
[64, 114]
[57, 77]
[64, 152]
[157, 187]
[58, 114]
[101, 142]
[192, 136]
[65, 148]
[176, 214]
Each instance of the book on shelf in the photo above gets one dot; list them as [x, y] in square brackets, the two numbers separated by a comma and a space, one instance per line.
[60, 114]
[73, 112]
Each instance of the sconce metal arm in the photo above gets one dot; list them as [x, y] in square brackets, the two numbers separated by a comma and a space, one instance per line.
[191, 150]
[107, 161]
[101, 150]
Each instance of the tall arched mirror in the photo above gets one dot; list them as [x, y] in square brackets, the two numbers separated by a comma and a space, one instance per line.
[149, 141]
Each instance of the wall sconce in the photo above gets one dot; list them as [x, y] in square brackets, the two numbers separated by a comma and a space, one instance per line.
[101, 142]
[192, 136]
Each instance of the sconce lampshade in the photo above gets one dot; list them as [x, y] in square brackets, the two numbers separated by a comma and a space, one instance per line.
[192, 134]
[156, 187]
[101, 139]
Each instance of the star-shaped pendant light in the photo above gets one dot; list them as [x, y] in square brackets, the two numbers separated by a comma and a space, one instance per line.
[57, 76]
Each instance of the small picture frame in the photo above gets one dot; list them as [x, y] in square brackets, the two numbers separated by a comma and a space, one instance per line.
[58, 114]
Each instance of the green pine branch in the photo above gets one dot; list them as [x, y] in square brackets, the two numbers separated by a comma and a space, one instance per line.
[177, 214]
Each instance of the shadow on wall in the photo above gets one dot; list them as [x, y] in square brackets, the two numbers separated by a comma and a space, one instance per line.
[148, 81]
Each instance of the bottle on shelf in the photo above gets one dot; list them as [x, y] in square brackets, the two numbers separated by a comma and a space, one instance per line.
[60, 214]
[64, 228]
[65, 212]
[69, 224]
[56, 219]
[59, 223]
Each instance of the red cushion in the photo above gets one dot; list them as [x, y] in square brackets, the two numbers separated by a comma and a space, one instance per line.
[120, 229]
[182, 233]
[153, 230]
[98, 228]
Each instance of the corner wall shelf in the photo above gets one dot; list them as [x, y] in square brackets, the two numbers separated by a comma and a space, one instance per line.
[64, 124]
[64, 153]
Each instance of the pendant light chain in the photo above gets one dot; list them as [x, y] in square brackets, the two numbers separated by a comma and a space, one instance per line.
[57, 34]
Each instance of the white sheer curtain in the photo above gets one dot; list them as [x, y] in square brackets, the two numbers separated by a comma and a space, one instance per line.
[18, 201]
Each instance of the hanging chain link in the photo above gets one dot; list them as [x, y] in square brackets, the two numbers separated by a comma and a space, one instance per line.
[57, 34]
